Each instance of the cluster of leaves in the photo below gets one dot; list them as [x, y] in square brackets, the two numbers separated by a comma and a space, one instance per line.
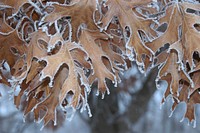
[56, 49]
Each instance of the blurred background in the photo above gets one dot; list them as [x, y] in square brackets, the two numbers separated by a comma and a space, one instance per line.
[132, 107]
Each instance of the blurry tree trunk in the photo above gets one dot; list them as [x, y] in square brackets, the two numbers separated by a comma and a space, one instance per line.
[106, 117]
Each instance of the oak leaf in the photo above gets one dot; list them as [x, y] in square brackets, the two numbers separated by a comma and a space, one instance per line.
[11, 49]
[123, 10]
[77, 11]
[96, 54]
[13, 4]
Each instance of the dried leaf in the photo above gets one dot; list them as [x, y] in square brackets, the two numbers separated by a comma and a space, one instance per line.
[127, 18]
[76, 12]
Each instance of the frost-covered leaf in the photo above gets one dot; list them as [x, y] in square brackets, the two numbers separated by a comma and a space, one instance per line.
[173, 67]
[56, 76]
[123, 10]
[13, 4]
[77, 13]
[11, 49]
[56, 49]
[4, 27]
[96, 54]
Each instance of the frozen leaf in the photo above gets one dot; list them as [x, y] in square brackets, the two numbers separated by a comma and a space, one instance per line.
[11, 49]
[13, 4]
[172, 67]
[96, 54]
[123, 10]
[57, 49]
[77, 13]
[54, 79]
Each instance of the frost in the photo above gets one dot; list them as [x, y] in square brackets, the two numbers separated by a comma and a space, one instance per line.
[97, 50]
[70, 113]
[171, 113]
[102, 95]
[17, 90]
[89, 111]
